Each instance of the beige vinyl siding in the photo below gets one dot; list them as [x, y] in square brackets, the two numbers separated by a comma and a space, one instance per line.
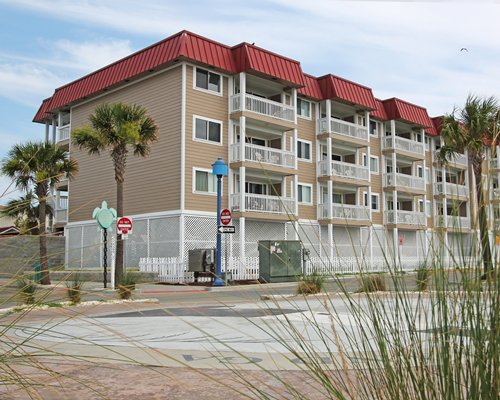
[152, 184]
[200, 154]
[376, 179]
[307, 170]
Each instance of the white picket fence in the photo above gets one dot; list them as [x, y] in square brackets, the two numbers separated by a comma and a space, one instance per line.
[175, 269]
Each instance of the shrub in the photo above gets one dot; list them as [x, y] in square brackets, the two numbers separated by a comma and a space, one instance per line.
[74, 288]
[372, 283]
[126, 287]
[311, 284]
[423, 278]
[27, 289]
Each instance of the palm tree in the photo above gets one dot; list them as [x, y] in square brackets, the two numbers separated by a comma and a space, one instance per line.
[35, 168]
[470, 128]
[25, 210]
[118, 127]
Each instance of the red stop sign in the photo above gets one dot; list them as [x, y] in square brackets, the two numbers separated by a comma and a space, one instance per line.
[225, 217]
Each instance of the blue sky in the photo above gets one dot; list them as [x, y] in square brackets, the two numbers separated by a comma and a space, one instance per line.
[408, 49]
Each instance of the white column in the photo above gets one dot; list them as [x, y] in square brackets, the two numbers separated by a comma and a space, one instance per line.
[296, 193]
[242, 138]
[395, 237]
[329, 190]
[242, 189]
[330, 241]
[424, 164]
[445, 211]
[47, 129]
[369, 201]
[328, 109]
[243, 89]
[295, 145]
[294, 104]
[54, 130]
[242, 237]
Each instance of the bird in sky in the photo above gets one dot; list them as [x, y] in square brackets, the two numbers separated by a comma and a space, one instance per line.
[464, 49]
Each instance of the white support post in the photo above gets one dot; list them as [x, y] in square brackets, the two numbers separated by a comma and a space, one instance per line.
[54, 130]
[243, 89]
[242, 238]
[295, 146]
[242, 189]
[296, 193]
[47, 130]
[330, 242]
[294, 104]
[328, 109]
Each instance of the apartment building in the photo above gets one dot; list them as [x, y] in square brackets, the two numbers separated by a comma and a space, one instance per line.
[318, 159]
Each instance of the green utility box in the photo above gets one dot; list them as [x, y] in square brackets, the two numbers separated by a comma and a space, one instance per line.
[280, 260]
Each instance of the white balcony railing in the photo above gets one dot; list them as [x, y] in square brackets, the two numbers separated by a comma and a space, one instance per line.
[404, 181]
[343, 212]
[262, 154]
[263, 106]
[343, 128]
[405, 217]
[63, 133]
[264, 204]
[61, 216]
[452, 221]
[496, 163]
[452, 189]
[409, 146]
[455, 159]
[344, 170]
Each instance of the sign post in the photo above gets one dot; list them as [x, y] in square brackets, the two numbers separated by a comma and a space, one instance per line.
[219, 169]
[104, 217]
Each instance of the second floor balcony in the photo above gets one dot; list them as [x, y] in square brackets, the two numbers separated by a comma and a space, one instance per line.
[414, 219]
[63, 134]
[344, 172]
[344, 214]
[343, 130]
[263, 106]
[406, 147]
[398, 181]
[262, 155]
[266, 204]
[452, 190]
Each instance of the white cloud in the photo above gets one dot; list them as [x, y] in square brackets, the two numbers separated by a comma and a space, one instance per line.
[89, 56]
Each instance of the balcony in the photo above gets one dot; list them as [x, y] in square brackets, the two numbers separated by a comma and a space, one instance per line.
[63, 134]
[457, 160]
[404, 182]
[344, 172]
[264, 107]
[344, 214]
[496, 163]
[260, 203]
[406, 147]
[452, 190]
[410, 218]
[343, 131]
[60, 208]
[453, 222]
[263, 155]
[496, 195]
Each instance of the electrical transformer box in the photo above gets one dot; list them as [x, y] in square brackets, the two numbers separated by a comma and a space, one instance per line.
[280, 260]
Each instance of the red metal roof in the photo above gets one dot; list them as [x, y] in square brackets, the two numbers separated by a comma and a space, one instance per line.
[435, 129]
[398, 109]
[379, 113]
[183, 45]
[252, 58]
[334, 87]
[42, 112]
[311, 88]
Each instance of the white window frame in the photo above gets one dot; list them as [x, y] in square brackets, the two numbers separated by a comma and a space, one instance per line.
[420, 168]
[197, 169]
[428, 208]
[375, 135]
[208, 90]
[195, 117]
[427, 141]
[299, 184]
[378, 165]
[428, 175]
[309, 117]
[365, 200]
[310, 150]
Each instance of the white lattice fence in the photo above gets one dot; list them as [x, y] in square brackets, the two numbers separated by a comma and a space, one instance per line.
[262, 230]
[354, 265]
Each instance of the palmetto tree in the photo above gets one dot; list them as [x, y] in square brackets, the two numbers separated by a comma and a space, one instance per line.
[119, 128]
[470, 128]
[35, 168]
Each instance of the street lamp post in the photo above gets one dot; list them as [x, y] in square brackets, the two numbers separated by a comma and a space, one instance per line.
[219, 169]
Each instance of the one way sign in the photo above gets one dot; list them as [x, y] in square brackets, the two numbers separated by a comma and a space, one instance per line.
[226, 229]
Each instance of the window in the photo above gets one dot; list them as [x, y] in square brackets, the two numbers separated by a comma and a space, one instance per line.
[207, 130]
[418, 137]
[373, 163]
[428, 175]
[375, 203]
[304, 108]
[373, 128]
[255, 188]
[208, 80]
[421, 206]
[427, 143]
[304, 150]
[337, 198]
[304, 194]
[428, 208]
[204, 181]
[420, 171]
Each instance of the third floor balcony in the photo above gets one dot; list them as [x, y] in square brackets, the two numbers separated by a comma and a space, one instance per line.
[262, 156]
[63, 134]
[344, 214]
[457, 160]
[343, 131]
[261, 107]
[452, 222]
[403, 182]
[405, 147]
[344, 172]
[282, 207]
[405, 219]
